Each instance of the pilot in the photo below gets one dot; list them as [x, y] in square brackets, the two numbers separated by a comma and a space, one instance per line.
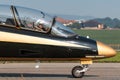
[40, 26]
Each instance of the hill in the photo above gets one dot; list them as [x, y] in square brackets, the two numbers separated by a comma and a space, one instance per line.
[113, 23]
[107, 21]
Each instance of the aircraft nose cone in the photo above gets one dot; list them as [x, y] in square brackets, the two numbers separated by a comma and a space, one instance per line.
[104, 50]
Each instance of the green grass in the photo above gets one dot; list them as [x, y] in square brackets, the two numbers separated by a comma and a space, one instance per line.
[105, 36]
[112, 59]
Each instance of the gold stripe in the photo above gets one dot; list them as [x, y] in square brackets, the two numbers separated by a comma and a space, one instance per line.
[19, 38]
[95, 56]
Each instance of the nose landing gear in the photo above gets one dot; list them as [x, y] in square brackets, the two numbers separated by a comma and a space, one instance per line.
[79, 71]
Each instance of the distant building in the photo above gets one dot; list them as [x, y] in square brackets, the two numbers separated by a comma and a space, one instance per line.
[64, 21]
[92, 24]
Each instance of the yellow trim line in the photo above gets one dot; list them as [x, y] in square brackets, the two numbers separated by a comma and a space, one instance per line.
[20, 38]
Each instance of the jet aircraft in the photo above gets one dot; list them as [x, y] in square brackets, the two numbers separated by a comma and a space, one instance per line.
[29, 34]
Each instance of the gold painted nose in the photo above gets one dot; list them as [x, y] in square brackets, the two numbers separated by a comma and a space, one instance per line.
[104, 50]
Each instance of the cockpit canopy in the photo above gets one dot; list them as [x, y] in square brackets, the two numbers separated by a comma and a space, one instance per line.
[34, 20]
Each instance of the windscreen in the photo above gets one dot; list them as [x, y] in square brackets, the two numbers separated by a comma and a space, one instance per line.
[59, 29]
[31, 18]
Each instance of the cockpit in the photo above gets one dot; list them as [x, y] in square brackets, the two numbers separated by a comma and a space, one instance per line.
[34, 20]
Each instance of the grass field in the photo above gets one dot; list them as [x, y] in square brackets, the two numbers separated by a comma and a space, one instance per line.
[105, 36]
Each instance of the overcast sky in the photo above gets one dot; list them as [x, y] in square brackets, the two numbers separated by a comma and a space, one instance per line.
[96, 8]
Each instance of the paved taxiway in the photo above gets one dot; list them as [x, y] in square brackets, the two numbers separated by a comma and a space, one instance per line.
[57, 71]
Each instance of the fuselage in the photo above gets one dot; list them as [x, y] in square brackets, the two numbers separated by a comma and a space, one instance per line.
[29, 45]
[22, 39]
[15, 43]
